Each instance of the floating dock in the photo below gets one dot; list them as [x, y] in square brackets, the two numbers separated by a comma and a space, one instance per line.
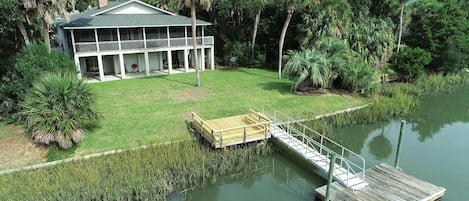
[233, 130]
[385, 183]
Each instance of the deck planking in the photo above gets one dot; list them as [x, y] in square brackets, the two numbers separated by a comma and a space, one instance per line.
[385, 183]
[233, 130]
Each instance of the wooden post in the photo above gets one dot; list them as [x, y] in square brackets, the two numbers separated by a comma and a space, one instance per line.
[221, 139]
[330, 177]
[396, 162]
[244, 140]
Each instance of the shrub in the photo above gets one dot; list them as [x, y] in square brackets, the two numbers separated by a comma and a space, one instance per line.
[58, 109]
[18, 77]
[357, 76]
[410, 62]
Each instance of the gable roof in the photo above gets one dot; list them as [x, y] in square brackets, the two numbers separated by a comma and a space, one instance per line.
[105, 18]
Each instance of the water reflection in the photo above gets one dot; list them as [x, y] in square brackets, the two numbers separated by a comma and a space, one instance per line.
[439, 110]
[380, 146]
[275, 178]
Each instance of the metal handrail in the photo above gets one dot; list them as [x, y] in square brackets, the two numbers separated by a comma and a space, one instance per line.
[281, 119]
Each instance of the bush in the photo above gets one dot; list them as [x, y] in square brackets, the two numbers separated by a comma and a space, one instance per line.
[58, 109]
[18, 77]
[410, 62]
[240, 55]
[358, 76]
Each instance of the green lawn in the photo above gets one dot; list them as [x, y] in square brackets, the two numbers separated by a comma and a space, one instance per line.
[153, 110]
[7, 130]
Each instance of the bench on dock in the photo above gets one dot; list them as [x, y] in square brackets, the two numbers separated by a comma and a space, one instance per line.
[233, 130]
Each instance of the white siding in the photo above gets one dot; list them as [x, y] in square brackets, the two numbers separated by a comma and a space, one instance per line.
[133, 8]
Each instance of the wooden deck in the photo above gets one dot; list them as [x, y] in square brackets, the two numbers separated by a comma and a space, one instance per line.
[233, 130]
[386, 183]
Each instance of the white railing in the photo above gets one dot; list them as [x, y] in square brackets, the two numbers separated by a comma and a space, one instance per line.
[140, 44]
[345, 157]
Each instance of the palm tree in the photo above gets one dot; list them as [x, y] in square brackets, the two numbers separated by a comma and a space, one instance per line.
[307, 68]
[290, 10]
[400, 24]
[44, 10]
[192, 4]
[259, 4]
[57, 109]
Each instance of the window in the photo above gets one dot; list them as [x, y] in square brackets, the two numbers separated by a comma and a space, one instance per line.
[84, 36]
[156, 33]
[131, 34]
[107, 34]
[177, 32]
[198, 30]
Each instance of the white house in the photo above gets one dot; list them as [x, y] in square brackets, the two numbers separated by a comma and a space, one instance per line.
[132, 39]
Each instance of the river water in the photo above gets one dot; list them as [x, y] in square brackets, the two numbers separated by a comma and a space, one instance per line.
[435, 148]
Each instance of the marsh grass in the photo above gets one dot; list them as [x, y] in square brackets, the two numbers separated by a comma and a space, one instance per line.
[396, 100]
[150, 174]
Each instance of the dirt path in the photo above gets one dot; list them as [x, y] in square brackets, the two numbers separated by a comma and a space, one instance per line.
[18, 151]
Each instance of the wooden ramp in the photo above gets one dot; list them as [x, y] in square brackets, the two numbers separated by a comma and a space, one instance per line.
[233, 130]
[385, 183]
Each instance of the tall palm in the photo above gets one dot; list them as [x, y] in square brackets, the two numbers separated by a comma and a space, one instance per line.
[259, 4]
[292, 5]
[290, 10]
[402, 2]
[192, 4]
[45, 10]
[58, 108]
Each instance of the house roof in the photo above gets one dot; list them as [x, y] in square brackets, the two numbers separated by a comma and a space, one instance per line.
[108, 17]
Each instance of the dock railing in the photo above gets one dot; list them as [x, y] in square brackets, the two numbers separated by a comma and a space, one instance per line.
[352, 161]
[217, 135]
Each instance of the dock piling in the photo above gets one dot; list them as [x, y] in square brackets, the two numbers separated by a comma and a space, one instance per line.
[398, 151]
[330, 176]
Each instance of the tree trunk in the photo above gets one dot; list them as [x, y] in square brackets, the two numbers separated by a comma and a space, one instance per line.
[400, 27]
[291, 9]
[194, 43]
[254, 32]
[45, 33]
[23, 32]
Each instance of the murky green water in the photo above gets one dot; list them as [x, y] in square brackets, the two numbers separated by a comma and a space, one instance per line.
[435, 144]
[435, 148]
[276, 179]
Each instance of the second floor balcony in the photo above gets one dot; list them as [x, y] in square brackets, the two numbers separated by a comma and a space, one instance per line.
[97, 40]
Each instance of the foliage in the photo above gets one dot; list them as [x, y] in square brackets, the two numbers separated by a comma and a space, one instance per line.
[393, 101]
[441, 28]
[373, 40]
[327, 19]
[18, 78]
[10, 39]
[57, 109]
[307, 68]
[240, 55]
[410, 62]
[154, 173]
[357, 76]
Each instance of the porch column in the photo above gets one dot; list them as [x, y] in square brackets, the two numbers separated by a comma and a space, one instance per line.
[115, 60]
[212, 58]
[186, 60]
[100, 67]
[77, 64]
[167, 32]
[96, 37]
[119, 38]
[170, 62]
[73, 42]
[144, 38]
[185, 34]
[147, 64]
[202, 59]
[160, 60]
[121, 63]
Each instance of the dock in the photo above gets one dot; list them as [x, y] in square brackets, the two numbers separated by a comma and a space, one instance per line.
[385, 183]
[233, 130]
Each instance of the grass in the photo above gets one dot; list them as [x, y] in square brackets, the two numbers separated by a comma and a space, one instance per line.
[146, 174]
[154, 110]
[9, 130]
